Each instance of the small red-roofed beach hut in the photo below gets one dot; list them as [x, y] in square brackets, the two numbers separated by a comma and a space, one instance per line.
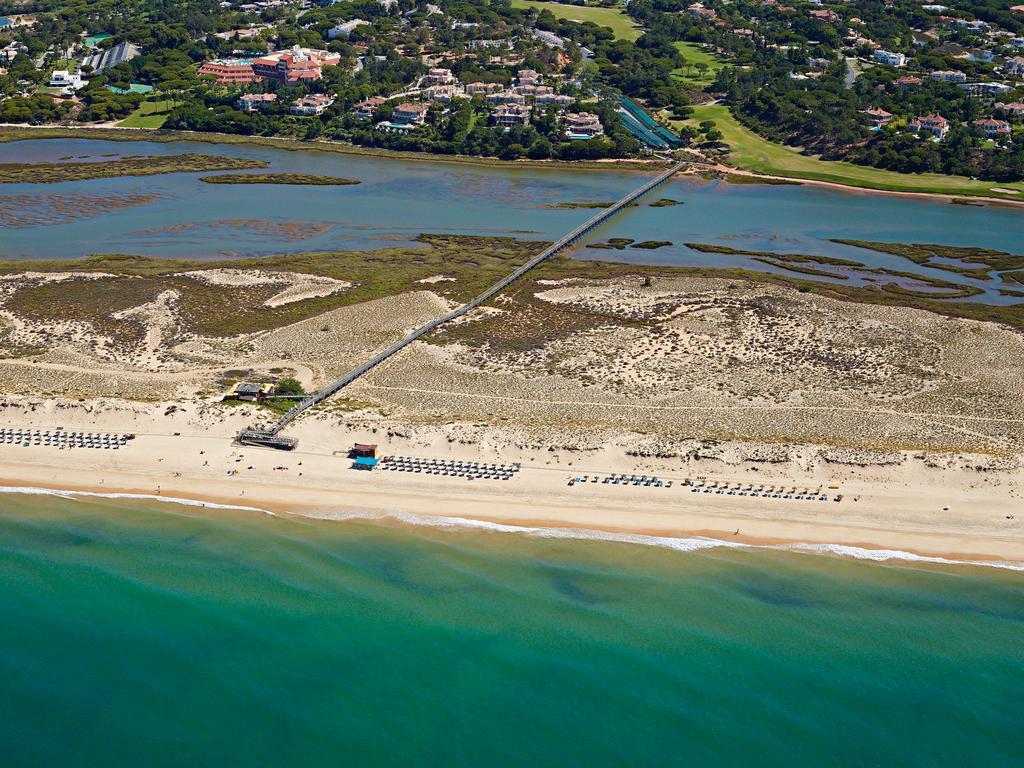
[364, 450]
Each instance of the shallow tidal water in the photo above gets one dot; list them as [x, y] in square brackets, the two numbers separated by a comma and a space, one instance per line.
[161, 635]
[178, 216]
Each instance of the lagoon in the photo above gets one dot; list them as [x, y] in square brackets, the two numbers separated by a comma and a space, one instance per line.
[178, 216]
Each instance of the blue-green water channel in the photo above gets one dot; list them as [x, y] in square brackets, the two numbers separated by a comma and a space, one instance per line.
[171, 636]
[399, 199]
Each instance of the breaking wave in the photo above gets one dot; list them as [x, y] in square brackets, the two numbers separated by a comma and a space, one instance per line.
[72, 495]
[677, 543]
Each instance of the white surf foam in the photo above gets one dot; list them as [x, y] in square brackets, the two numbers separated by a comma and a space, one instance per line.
[681, 544]
[882, 555]
[677, 543]
[72, 495]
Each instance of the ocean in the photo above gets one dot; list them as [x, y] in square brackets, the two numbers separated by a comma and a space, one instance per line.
[150, 634]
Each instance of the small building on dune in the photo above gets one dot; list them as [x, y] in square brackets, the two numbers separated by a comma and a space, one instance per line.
[249, 392]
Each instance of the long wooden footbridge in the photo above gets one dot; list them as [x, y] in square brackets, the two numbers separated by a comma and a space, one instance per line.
[272, 437]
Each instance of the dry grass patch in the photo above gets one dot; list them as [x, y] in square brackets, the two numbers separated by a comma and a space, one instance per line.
[50, 173]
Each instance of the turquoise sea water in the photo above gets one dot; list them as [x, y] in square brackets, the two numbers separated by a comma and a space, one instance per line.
[170, 636]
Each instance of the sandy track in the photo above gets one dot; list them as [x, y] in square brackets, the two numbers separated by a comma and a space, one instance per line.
[303, 373]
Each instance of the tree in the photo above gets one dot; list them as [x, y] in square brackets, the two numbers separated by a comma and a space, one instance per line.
[289, 386]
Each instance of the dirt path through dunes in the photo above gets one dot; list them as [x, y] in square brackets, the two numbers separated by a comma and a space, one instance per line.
[306, 375]
[697, 168]
[653, 407]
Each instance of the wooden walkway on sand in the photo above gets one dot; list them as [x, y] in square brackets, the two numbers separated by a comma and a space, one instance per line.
[570, 239]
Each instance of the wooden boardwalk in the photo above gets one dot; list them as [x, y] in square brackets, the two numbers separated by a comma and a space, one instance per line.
[570, 239]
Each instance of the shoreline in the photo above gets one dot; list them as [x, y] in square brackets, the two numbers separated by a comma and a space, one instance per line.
[683, 540]
[160, 136]
[642, 517]
[157, 135]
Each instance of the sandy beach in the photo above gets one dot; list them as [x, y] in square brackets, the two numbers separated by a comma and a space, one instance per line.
[906, 421]
[962, 512]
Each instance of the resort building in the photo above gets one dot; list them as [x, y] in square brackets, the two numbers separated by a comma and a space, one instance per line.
[949, 76]
[312, 105]
[11, 50]
[908, 81]
[1014, 65]
[582, 125]
[985, 90]
[824, 14]
[230, 71]
[560, 100]
[933, 125]
[440, 93]
[295, 65]
[255, 102]
[532, 91]
[345, 29]
[1014, 108]
[889, 58]
[406, 117]
[527, 77]
[972, 25]
[62, 78]
[698, 11]
[240, 34]
[506, 97]
[364, 109]
[440, 76]
[993, 127]
[509, 115]
[482, 89]
[111, 57]
[409, 113]
[548, 38]
[878, 116]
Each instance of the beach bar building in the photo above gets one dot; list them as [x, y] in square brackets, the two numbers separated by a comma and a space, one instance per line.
[249, 392]
[364, 456]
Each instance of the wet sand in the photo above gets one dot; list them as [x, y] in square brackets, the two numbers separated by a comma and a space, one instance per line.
[908, 507]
